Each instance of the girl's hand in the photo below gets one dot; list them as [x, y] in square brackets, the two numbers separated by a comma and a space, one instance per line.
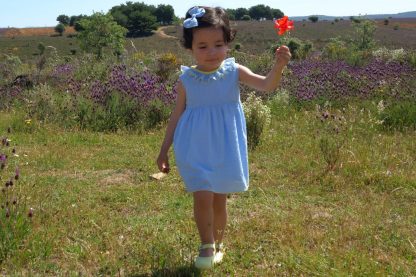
[163, 163]
[283, 56]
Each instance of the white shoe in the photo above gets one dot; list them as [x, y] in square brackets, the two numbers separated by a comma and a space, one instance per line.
[219, 253]
[205, 262]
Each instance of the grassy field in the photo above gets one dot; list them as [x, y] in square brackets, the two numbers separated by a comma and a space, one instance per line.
[97, 212]
[254, 37]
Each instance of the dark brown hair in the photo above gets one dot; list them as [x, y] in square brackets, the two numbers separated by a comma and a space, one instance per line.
[213, 17]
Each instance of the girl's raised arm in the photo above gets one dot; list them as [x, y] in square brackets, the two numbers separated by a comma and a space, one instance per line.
[270, 82]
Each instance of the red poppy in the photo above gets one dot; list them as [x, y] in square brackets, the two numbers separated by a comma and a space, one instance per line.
[284, 25]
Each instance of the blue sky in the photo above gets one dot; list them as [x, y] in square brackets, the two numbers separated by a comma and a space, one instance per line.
[31, 13]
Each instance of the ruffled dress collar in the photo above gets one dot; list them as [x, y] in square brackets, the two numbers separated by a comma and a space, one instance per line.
[205, 77]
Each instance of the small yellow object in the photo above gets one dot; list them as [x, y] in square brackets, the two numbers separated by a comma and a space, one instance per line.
[28, 121]
[158, 176]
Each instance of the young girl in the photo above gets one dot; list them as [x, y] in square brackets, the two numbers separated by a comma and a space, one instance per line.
[207, 126]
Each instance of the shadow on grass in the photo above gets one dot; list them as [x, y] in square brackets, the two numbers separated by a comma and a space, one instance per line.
[182, 271]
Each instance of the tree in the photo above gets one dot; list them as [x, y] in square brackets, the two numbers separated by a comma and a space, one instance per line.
[141, 23]
[240, 12]
[72, 20]
[313, 18]
[138, 18]
[260, 11]
[75, 18]
[231, 14]
[120, 18]
[60, 28]
[164, 14]
[63, 19]
[276, 13]
[78, 27]
[101, 32]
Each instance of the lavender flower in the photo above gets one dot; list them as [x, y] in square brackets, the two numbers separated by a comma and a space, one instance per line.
[313, 78]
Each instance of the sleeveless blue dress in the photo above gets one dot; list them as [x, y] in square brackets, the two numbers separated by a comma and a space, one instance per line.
[210, 140]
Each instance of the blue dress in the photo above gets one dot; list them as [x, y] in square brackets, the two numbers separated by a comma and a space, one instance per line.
[210, 140]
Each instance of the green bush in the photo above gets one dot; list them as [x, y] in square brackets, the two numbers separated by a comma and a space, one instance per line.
[411, 58]
[10, 67]
[399, 116]
[257, 119]
[298, 48]
[364, 34]
[357, 58]
[118, 113]
[336, 49]
[279, 103]
[51, 105]
[246, 17]
[156, 113]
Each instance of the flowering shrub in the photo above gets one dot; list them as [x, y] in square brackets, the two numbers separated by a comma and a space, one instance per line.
[388, 55]
[167, 64]
[14, 217]
[336, 49]
[257, 119]
[313, 79]
[103, 97]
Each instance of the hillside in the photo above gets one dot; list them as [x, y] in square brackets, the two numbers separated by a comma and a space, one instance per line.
[369, 16]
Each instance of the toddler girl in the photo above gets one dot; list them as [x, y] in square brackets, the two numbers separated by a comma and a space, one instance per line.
[207, 126]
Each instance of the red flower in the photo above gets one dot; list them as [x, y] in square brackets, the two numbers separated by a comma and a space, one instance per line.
[283, 24]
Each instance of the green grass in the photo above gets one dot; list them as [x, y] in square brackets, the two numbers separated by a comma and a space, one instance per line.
[97, 212]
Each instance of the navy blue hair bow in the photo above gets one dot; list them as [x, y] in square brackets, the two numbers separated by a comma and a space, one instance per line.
[192, 21]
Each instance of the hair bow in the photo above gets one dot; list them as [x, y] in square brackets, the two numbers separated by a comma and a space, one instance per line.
[192, 21]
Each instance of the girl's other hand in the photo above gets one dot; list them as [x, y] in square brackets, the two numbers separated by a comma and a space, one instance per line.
[283, 55]
[163, 163]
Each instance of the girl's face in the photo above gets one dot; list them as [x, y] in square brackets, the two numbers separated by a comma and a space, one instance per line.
[208, 48]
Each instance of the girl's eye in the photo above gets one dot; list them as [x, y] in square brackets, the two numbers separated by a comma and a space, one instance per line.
[202, 47]
[219, 45]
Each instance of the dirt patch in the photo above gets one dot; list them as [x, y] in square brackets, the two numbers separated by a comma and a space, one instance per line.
[102, 177]
[161, 33]
[125, 178]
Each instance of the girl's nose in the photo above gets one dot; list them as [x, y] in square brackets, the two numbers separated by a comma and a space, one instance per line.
[212, 51]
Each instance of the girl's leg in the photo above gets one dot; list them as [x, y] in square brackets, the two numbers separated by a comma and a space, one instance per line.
[220, 216]
[204, 218]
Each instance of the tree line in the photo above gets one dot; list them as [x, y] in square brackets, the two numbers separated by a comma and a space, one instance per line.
[257, 12]
[140, 19]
